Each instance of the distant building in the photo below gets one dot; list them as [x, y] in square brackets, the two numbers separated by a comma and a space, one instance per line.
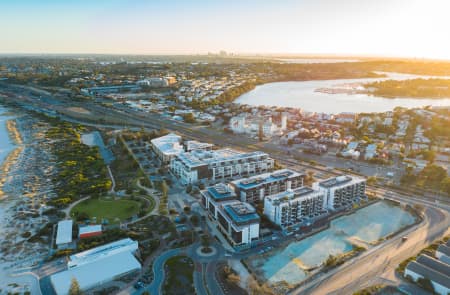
[97, 266]
[251, 124]
[153, 82]
[346, 117]
[218, 165]
[89, 231]
[342, 191]
[64, 234]
[255, 188]
[103, 90]
[371, 151]
[294, 206]
[167, 147]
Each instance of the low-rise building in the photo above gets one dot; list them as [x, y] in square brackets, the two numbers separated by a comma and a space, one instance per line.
[255, 188]
[342, 191]
[294, 206]
[98, 266]
[219, 165]
[89, 231]
[64, 234]
[167, 147]
[371, 151]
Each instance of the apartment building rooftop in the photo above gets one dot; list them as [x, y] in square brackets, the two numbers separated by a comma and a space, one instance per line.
[201, 157]
[339, 181]
[258, 180]
[241, 213]
[303, 191]
[221, 192]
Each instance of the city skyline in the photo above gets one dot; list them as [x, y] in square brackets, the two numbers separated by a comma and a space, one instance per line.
[354, 28]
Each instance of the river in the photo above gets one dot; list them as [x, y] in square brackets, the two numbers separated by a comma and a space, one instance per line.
[303, 95]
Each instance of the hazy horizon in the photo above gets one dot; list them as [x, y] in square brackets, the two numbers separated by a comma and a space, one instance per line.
[346, 28]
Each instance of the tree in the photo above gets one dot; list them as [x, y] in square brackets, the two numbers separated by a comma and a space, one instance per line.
[75, 287]
[189, 118]
[164, 189]
[260, 131]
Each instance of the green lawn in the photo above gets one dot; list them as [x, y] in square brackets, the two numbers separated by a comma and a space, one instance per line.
[108, 208]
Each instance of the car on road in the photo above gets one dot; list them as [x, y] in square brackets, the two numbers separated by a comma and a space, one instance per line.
[404, 239]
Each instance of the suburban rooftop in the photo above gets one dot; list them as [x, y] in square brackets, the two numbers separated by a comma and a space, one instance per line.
[303, 191]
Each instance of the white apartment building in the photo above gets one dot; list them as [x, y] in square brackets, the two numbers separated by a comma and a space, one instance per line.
[167, 146]
[341, 191]
[248, 124]
[239, 222]
[218, 165]
[253, 189]
[294, 206]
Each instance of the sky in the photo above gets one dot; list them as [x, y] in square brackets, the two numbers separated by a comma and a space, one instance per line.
[397, 28]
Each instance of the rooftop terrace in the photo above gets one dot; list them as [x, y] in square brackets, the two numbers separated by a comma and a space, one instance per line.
[241, 213]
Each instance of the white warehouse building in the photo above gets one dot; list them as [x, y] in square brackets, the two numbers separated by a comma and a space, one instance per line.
[217, 165]
[294, 206]
[341, 191]
[97, 266]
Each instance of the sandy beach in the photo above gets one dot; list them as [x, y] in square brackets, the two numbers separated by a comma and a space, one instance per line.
[26, 168]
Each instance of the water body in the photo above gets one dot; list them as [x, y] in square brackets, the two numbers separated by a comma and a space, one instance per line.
[313, 60]
[301, 94]
[6, 144]
[367, 225]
